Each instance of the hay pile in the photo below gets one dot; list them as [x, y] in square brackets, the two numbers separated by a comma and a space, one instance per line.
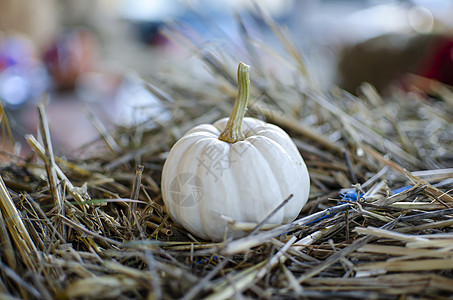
[377, 225]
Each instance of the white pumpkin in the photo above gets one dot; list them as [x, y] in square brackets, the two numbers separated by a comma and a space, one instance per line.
[216, 171]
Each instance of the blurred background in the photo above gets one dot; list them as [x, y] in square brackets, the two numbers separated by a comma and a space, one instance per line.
[92, 57]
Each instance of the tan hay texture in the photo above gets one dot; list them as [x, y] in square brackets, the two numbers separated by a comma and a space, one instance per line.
[96, 227]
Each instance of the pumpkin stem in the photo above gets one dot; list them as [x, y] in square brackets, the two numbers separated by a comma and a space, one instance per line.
[232, 132]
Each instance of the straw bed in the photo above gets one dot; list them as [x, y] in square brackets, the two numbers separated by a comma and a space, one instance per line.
[97, 227]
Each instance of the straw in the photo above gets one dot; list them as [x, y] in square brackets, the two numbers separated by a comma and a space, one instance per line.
[377, 225]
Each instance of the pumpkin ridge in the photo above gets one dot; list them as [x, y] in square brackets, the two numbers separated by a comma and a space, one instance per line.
[185, 167]
[297, 167]
[204, 218]
[229, 191]
[275, 180]
[256, 178]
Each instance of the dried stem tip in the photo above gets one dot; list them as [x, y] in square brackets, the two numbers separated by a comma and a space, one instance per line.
[232, 132]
